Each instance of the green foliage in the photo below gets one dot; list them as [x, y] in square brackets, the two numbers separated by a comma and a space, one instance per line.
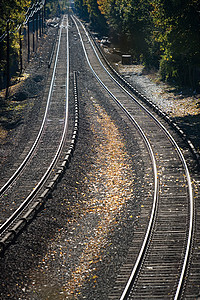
[90, 10]
[164, 33]
[177, 30]
[13, 10]
[12, 14]
[55, 7]
[81, 8]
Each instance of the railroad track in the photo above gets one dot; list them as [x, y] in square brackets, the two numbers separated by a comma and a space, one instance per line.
[39, 172]
[158, 261]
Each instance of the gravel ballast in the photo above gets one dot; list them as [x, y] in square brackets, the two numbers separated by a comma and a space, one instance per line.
[77, 243]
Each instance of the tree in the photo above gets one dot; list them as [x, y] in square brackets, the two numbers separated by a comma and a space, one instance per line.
[13, 14]
[81, 8]
[93, 14]
[177, 30]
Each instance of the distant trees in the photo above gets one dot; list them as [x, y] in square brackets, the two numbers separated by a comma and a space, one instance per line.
[161, 33]
[90, 10]
[13, 9]
[12, 15]
[81, 7]
[22, 20]
[177, 30]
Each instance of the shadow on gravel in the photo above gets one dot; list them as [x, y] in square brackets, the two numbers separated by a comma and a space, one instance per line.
[183, 92]
[19, 96]
[31, 87]
[9, 118]
[11, 124]
[12, 109]
[191, 125]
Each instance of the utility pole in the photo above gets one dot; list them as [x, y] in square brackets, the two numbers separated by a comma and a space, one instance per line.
[36, 28]
[20, 49]
[40, 23]
[33, 33]
[7, 59]
[28, 40]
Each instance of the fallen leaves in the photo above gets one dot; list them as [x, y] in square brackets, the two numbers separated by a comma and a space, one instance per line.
[96, 212]
[110, 180]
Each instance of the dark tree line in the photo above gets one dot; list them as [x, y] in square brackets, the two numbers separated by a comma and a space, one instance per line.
[21, 23]
[160, 33]
[12, 15]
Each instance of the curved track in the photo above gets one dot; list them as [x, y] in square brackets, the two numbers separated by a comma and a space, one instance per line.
[158, 260]
[18, 193]
[157, 265]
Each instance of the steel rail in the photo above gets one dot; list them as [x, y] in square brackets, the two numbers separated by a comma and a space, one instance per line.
[191, 201]
[20, 168]
[26, 202]
[155, 172]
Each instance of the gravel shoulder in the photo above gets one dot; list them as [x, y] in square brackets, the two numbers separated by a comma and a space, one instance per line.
[183, 106]
[22, 113]
[75, 246]
[18, 127]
